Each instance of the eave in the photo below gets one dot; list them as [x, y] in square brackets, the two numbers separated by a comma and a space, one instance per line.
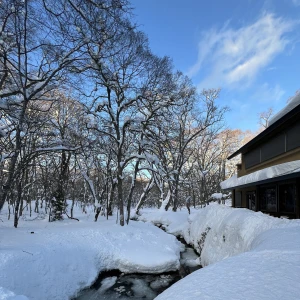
[265, 181]
[276, 127]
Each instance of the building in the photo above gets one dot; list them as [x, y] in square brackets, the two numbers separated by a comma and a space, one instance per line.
[268, 178]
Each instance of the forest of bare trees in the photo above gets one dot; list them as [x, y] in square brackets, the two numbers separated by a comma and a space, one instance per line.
[88, 113]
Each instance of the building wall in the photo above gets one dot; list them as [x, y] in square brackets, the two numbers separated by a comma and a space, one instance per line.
[284, 146]
[283, 158]
[278, 213]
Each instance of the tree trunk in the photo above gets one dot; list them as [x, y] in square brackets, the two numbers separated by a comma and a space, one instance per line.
[110, 198]
[165, 204]
[129, 198]
[58, 206]
[144, 195]
[16, 218]
[120, 200]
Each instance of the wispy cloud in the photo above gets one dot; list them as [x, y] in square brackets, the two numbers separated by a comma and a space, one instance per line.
[296, 2]
[268, 94]
[234, 57]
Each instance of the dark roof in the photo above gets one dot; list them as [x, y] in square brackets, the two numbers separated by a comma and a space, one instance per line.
[269, 131]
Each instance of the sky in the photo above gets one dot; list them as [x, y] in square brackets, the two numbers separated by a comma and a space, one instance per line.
[248, 48]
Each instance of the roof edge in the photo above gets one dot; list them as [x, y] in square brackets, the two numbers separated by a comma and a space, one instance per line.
[267, 131]
[265, 181]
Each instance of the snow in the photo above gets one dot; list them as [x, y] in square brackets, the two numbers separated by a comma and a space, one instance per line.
[216, 231]
[295, 101]
[56, 260]
[172, 222]
[57, 148]
[245, 254]
[217, 196]
[229, 231]
[267, 173]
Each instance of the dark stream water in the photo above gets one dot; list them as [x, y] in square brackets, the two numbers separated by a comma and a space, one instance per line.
[112, 285]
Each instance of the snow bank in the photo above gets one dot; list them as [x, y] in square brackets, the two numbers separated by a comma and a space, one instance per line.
[295, 101]
[264, 262]
[267, 173]
[217, 196]
[217, 232]
[173, 222]
[55, 260]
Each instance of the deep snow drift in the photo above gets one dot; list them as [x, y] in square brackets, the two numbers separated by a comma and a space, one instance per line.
[58, 259]
[248, 255]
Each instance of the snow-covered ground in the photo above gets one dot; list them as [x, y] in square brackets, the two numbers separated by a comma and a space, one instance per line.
[55, 260]
[247, 255]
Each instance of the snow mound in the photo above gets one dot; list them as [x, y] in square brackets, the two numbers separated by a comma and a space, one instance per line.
[172, 222]
[218, 232]
[217, 196]
[262, 257]
[56, 260]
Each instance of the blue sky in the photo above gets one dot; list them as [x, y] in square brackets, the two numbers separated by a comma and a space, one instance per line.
[248, 48]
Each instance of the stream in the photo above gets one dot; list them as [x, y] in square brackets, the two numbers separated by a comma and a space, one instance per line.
[112, 285]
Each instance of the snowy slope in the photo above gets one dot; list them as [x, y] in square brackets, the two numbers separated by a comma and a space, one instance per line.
[247, 255]
[60, 258]
[226, 231]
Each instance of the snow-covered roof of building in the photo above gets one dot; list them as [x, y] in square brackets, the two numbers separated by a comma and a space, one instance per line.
[292, 103]
[264, 174]
[290, 112]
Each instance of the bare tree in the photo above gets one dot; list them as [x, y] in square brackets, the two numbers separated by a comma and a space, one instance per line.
[264, 117]
[191, 119]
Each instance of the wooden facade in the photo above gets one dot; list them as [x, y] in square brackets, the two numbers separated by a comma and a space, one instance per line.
[277, 144]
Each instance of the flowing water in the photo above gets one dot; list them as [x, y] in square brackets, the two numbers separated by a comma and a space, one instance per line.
[112, 285]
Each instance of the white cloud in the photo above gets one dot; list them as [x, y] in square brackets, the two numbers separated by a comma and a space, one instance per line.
[235, 56]
[296, 2]
[268, 94]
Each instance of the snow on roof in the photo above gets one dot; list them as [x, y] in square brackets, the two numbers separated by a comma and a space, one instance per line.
[292, 103]
[267, 173]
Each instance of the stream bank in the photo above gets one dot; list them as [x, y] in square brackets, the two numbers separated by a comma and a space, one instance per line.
[111, 285]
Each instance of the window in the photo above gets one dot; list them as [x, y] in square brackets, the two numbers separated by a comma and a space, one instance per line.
[238, 199]
[251, 199]
[268, 199]
[287, 198]
[273, 147]
[293, 137]
[252, 158]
